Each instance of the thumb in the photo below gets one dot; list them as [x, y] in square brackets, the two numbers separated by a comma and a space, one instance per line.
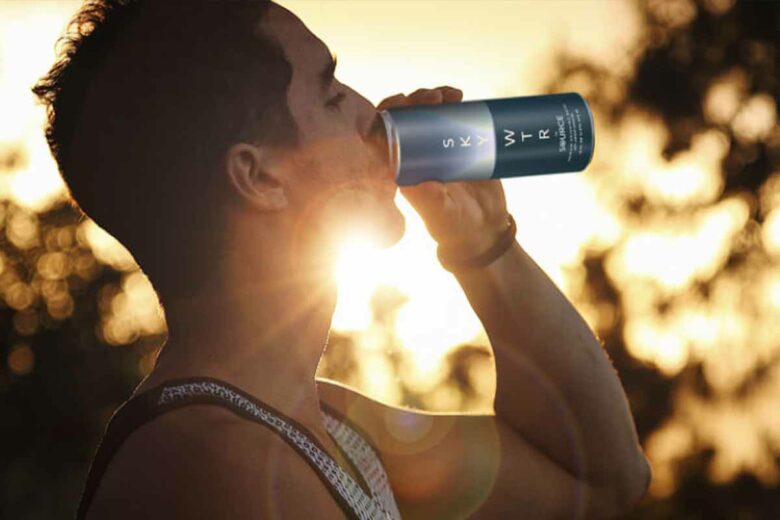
[433, 203]
[425, 195]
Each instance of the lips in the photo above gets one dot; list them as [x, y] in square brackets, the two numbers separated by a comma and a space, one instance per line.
[377, 137]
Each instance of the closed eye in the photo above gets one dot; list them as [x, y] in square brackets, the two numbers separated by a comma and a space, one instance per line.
[336, 100]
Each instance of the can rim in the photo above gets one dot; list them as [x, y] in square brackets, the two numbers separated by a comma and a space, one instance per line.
[393, 148]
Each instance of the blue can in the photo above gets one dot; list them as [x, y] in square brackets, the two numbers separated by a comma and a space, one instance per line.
[489, 139]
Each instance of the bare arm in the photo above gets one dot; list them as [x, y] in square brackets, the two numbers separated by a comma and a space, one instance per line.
[555, 385]
[467, 466]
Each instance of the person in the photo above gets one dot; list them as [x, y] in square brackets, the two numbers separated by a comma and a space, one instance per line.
[213, 139]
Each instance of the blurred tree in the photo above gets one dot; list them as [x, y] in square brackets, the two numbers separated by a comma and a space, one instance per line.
[701, 66]
[58, 382]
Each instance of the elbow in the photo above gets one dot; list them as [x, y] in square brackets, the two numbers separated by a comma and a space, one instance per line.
[633, 486]
[621, 493]
[641, 482]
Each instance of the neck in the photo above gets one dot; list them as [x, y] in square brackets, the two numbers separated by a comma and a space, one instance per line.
[260, 329]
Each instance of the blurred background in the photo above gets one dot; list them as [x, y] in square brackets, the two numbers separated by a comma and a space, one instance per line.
[668, 245]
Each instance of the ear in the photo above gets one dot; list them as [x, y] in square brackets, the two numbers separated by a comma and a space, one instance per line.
[255, 177]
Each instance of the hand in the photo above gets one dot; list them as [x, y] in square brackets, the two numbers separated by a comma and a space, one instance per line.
[465, 217]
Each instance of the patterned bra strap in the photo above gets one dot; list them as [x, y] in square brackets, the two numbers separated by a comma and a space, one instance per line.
[356, 444]
[176, 394]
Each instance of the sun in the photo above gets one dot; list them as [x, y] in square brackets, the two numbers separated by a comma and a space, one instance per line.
[358, 267]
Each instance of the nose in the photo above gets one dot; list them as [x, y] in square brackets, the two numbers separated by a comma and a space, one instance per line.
[372, 126]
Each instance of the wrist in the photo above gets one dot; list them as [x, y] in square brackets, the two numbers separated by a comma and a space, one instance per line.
[462, 259]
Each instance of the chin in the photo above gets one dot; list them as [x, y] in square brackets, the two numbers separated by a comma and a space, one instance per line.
[391, 228]
[383, 222]
[372, 213]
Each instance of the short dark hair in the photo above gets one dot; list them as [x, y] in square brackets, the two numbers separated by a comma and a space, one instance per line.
[143, 102]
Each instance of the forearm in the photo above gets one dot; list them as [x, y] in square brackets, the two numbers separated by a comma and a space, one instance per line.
[555, 384]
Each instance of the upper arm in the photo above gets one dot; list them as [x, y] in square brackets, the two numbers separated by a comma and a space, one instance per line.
[466, 466]
[204, 462]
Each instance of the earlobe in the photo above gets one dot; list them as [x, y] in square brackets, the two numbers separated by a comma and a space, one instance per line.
[254, 177]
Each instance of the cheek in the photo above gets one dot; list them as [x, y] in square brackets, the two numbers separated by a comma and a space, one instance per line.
[341, 157]
[349, 209]
[333, 156]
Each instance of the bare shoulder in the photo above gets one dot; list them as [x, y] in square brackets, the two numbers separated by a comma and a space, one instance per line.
[462, 465]
[205, 462]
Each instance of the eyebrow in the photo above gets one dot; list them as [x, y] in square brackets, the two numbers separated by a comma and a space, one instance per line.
[327, 73]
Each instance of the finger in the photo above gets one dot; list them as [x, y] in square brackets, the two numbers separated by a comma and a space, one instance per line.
[442, 94]
[393, 101]
[421, 92]
[452, 94]
[426, 95]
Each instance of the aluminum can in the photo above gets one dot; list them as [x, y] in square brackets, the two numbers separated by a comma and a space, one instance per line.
[489, 139]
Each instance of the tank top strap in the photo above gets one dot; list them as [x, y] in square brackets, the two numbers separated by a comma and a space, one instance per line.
[172, 395]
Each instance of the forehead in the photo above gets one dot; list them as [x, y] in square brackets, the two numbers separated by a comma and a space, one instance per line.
[306, 53]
